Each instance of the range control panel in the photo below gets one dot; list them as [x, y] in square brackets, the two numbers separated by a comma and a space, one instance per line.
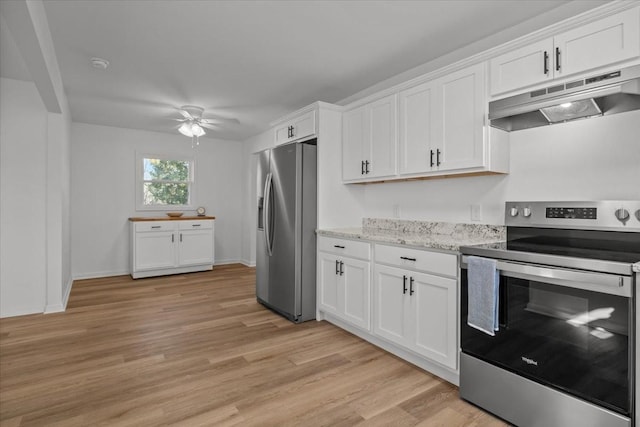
[573, 213]
[603, 215]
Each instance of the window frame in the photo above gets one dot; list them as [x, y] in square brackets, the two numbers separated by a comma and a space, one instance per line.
[140, 181]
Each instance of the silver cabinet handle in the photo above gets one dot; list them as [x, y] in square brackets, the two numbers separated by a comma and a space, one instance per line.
[267, 217]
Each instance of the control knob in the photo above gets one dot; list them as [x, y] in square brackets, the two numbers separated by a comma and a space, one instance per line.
[513, 212]
[526, 212]
[622, 215]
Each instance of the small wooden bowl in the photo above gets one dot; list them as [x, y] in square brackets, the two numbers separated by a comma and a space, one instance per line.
[175, 214]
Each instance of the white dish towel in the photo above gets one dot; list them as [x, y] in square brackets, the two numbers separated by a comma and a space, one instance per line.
[483, 281]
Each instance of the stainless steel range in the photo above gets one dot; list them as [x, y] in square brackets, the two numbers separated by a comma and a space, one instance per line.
[562, 352]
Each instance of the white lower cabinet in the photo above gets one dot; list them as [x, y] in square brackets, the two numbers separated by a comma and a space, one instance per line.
[409, 307]
[154, 250]
[170, 247]
[417, 311]
[344, 282]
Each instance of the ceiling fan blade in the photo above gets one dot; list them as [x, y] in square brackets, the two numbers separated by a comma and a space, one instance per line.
[185, 114]
[216, 120]
[209, 126]
[179, 120]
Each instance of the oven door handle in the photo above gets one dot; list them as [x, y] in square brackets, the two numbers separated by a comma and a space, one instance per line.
[597, 282]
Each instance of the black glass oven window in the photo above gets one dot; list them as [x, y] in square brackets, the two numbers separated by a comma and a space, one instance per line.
[571, 339]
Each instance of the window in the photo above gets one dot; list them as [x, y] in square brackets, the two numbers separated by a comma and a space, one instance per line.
[164, 182]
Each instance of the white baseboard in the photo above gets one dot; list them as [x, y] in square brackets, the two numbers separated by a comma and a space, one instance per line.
[97, 275]
[53, 308]
[65, 298]
[228, 261]
[57, 308]
[24, 311]
[247, 263]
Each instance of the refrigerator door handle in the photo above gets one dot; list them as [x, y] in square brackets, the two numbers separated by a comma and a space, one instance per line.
[266, 217]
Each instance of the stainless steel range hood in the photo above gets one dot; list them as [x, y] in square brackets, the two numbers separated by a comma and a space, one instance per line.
[609, 93]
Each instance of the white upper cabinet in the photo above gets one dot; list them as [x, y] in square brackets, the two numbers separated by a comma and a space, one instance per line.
[442, 123]
[416, 129]
[298, 128]
[459, 115]
[369, 143]
[523, 67]
[601, 43]
[607, 41]
[355, 133]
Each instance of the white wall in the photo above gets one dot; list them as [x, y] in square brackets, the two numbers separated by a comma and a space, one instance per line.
[251, 146]
[592, 159]
[23, 171]
[103, 193]
[58, 235]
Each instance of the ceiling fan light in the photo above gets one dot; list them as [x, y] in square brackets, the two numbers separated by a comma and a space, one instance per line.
[186, 129]
[196, 130]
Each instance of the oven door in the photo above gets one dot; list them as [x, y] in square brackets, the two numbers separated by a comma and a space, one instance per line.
[568, 329]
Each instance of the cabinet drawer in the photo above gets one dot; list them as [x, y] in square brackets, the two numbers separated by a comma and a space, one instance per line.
[417, 259]
[195, 225]
[345, 247]
[154, 226]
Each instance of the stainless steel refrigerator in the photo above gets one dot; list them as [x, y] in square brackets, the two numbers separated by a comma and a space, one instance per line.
[286, 240]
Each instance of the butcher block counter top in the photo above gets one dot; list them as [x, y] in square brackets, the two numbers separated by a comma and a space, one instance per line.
[169, 218]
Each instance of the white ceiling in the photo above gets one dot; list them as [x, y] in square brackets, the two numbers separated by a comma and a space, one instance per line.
[255, 60]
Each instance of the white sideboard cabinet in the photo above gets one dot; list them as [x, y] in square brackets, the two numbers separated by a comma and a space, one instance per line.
[162, 246]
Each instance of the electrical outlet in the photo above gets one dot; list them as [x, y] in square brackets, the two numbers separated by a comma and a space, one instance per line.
[476, 212]
[396, 211]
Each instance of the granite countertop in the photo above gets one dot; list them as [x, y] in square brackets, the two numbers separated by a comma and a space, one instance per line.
[422, 234]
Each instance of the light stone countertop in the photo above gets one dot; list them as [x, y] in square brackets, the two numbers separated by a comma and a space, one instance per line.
[421, 234]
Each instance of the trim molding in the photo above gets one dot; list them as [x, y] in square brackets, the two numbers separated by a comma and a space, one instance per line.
[65, 298]
[57, 308]
[99, 274]
[24, 311]
[228, 261]
[311, 107]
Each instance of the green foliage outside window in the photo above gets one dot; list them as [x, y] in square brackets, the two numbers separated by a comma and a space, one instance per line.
[166, 182]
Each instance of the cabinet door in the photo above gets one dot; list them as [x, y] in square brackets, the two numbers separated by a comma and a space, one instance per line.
[522, 67]
[328, 283]
[282, 133]
[355, 129]
[460, 110]
[357, 293]
[607, 41]
[195, 247]
[304, 126]
[434, 318]
[382, 148]
[391, 305]
[154, 250]
[416, 129]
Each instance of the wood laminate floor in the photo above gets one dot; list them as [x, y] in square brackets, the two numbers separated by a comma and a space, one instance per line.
[197, 349]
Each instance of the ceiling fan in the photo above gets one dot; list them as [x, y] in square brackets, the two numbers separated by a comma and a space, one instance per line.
[193, 124]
